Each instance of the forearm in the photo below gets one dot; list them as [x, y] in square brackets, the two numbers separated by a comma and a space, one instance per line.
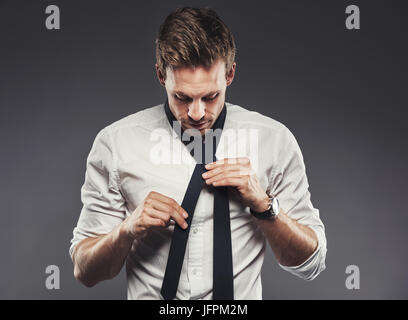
[101, 258]
[291, 242]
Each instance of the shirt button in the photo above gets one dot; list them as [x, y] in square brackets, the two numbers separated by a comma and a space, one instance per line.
[195, 230]
[196, 272]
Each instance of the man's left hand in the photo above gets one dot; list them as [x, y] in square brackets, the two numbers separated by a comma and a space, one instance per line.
[237, 173]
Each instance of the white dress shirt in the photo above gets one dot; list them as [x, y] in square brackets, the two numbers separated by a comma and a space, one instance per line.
[141, 153]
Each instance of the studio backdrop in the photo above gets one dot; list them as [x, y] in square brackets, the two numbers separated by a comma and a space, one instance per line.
[337, 81]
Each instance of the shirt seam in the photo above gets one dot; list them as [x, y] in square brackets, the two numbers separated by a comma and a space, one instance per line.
[279, 168]
[115, 127]
[116, 179]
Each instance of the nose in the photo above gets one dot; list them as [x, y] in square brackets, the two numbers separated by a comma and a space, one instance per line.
[196, 110]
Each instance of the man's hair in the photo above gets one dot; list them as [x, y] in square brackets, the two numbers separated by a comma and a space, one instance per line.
[192, 37]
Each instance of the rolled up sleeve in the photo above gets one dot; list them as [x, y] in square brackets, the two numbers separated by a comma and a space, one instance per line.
[103, 204]
[290, 185]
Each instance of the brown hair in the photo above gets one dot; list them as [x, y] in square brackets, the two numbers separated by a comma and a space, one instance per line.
[192, 37]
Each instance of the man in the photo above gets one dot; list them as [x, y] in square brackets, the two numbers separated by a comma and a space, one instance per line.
[135, 199]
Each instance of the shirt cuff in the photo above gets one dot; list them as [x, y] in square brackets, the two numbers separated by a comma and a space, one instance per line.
[309, 269]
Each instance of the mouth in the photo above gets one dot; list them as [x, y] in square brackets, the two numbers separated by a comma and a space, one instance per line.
[198, 126]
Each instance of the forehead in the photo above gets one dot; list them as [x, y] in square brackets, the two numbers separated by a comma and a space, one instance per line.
[198, 80]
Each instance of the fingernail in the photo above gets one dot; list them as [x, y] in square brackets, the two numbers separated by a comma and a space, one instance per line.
[185, 225]
[185, 215]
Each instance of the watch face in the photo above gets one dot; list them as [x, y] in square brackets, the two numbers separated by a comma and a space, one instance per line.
[275, 206]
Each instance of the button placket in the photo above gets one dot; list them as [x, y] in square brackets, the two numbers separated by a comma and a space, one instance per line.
[195, 261]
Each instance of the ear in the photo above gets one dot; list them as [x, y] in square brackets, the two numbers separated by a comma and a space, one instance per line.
[160, 76]
[231, 74]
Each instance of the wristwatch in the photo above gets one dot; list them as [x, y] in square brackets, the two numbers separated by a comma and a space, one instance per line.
[271, 213]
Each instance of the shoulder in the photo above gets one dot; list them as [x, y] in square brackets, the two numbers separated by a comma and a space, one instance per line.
[243, 117]
[144, 119]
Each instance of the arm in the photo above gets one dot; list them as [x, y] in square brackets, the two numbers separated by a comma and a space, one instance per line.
[297, 236]
[101, 258]
[104, 235]
[292, 243]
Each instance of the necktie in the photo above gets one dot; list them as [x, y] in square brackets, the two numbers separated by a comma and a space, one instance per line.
[223, 287]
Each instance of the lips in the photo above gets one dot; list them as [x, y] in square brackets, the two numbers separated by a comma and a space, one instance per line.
[198, 125]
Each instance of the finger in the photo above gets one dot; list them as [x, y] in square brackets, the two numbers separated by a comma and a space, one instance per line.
[165, 217]
[157, 214]
[219, 169]
[178, 209]
[229, 182]
[240, 160]
[244, 160]
[168, 209]
[152, 222]
[169, 201]
[240, 173]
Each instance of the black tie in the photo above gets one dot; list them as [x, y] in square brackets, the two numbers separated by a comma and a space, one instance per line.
[223, 287]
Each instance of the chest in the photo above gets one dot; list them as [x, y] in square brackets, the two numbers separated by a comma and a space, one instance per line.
[163, 164]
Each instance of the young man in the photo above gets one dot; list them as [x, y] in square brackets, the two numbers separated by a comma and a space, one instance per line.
[192, 229]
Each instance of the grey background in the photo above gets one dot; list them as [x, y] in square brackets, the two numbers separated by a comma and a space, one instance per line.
[342, 93]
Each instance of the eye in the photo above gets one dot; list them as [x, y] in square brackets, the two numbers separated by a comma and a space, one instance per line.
[182, 99]
[208, 99]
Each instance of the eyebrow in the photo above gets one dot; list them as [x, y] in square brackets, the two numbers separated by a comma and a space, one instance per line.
[180, 93]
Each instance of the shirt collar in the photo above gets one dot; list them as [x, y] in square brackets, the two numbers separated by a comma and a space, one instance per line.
[218, 124]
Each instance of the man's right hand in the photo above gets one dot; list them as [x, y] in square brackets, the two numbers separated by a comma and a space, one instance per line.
[156, 210]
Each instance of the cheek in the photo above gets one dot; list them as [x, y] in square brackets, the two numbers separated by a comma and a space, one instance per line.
[216, 107]
[180, 110]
